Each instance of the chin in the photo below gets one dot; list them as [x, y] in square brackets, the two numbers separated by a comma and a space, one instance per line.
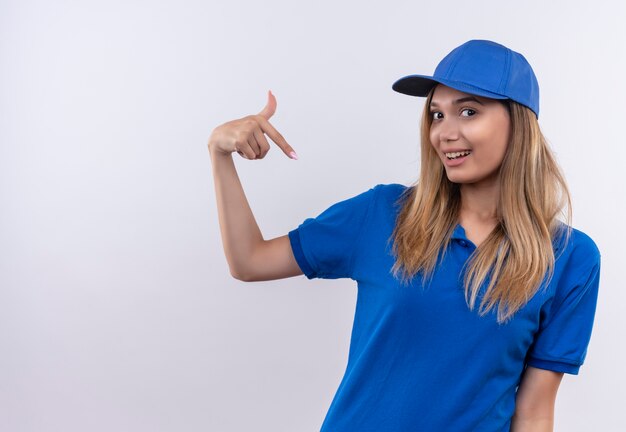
[458, 179]
[461, 179]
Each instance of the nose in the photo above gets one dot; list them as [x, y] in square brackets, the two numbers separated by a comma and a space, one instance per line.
[448, 130]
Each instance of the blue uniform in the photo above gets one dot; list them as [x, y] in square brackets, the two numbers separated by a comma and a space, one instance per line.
[419, 359]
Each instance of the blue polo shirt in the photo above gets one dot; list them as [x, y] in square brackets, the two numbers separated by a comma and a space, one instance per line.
[419, 359]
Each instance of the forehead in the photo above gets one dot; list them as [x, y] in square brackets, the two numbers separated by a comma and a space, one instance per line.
[444, 95]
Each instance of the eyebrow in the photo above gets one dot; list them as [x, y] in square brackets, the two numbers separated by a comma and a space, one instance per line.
[458, 101]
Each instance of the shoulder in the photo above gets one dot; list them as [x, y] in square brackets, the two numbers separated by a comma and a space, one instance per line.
[391, 188]
[379, 202]
[584, 243]
[391, 192]
[580, 255]
[580, 245]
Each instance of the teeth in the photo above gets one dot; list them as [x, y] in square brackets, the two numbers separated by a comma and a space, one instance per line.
[457, 154]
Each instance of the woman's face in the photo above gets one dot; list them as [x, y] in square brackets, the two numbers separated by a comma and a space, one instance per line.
[480, 125]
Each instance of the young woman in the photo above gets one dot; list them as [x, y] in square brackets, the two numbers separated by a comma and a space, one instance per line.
[473, 297]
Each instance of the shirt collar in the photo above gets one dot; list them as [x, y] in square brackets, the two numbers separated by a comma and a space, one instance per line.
[459, 233]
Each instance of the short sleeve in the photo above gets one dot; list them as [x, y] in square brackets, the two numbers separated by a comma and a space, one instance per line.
[324, 246]
[562, 339]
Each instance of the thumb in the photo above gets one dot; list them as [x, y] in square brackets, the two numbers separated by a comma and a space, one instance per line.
[270, 108]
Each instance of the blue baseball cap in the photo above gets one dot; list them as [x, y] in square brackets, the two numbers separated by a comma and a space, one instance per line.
[483, 68]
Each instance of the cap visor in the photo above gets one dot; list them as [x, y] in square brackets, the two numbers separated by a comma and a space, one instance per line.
[420, 85]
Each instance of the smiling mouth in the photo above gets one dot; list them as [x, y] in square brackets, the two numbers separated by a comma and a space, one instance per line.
[456, 155]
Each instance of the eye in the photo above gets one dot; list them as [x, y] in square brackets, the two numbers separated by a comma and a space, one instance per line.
[469, 109]
[434, 113]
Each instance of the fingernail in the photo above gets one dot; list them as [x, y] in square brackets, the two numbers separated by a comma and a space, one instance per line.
[293, 155]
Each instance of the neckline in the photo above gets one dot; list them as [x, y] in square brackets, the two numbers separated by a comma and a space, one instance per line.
[459, 234]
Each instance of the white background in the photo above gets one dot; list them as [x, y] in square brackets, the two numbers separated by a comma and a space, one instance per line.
[117, 309]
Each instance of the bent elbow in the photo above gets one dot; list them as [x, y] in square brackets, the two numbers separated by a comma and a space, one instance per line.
[240, 276]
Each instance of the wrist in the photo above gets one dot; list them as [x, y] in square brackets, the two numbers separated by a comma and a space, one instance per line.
[215, 153]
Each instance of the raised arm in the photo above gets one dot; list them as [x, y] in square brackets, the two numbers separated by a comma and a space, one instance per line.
[249, 256]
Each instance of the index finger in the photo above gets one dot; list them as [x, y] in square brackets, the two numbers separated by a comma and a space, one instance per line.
[267, 128]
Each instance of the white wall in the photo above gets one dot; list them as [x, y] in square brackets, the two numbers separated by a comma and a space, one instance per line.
[117, 309]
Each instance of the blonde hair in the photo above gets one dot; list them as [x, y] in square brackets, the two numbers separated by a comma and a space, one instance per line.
[518, 253]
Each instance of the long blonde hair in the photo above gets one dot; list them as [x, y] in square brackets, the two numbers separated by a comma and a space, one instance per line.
[518, 254]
